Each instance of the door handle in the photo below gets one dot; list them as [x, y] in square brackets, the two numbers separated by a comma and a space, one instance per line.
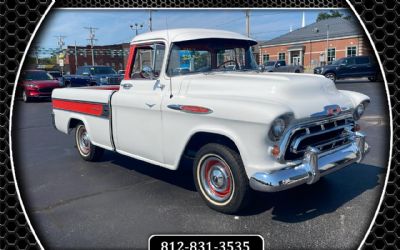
[126, 85]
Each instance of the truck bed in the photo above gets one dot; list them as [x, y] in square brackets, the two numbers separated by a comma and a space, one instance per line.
[87, 105]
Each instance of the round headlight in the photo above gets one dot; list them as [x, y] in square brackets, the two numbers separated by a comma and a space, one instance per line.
[359, 111]
[278, 127]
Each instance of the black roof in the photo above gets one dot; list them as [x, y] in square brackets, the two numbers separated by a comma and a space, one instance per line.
[338, 27]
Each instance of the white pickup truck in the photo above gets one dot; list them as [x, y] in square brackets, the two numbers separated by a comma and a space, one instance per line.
[198, 93]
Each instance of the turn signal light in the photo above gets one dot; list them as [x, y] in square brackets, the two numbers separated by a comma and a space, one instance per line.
[275, 151]
[357, 127]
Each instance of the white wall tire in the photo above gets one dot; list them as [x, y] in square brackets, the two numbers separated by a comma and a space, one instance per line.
[86, 149]
[220, 178]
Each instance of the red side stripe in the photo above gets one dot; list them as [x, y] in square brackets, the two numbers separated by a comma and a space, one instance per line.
[81, 107]
[195, 109]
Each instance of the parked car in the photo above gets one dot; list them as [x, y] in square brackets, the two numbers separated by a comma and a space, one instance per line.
[92, 76]
[244, 129]
[280, 66]
[55, 74]
[350, 67]
[121, 72]
[35, 84]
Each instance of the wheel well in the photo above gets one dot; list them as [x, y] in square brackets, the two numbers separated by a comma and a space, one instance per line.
[200, 139]
[73, 123]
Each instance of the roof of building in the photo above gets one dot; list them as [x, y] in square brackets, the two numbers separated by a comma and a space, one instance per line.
[338, 27]
[178, 35]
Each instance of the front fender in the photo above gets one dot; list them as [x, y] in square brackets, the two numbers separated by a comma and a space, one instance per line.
[355, 97]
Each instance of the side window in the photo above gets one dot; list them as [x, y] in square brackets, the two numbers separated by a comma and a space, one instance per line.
[362, 60]
[282, 63]
[148, 58]
[349, 61]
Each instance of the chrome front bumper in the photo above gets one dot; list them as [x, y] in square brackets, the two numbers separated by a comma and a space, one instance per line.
[313, 166]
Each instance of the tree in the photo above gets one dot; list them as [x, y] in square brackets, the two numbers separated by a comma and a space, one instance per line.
[327, 15]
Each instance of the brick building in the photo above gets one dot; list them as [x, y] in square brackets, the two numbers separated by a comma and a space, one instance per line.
[316, 44]
[114, 55]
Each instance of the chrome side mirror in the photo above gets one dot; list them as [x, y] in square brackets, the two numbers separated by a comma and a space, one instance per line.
[147, 72]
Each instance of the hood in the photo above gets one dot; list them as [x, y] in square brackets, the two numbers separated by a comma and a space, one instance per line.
[44, 83]
[304, 94]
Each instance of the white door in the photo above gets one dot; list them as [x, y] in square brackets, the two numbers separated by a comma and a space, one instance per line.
[136, 107]
[296, 60]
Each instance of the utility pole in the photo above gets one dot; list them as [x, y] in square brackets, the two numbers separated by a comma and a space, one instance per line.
[92, 39]
[248, 23]
[76, 58]
[136, 27]
[60, 43]
[327, 42]
[150, 20]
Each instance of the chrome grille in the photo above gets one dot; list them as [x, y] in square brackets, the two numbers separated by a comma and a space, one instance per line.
[324, 135]
[113, 80]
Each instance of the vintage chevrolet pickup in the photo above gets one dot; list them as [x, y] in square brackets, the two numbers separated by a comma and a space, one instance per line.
[198, 93]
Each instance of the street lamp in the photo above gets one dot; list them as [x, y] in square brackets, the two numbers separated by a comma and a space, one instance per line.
[136, 27]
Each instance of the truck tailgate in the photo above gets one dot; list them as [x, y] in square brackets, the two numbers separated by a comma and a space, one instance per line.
[86, 105]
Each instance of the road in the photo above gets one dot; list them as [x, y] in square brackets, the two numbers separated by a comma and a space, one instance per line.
[119, 202]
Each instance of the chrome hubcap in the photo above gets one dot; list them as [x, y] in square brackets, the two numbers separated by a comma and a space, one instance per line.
[83, 141]
[216, 179]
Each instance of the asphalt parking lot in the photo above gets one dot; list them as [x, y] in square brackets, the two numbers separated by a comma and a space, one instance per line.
[119, 202]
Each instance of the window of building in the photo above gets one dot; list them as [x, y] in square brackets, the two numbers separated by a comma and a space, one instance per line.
[331, 54]
[351, 51]
[281, 56]
[266, 58]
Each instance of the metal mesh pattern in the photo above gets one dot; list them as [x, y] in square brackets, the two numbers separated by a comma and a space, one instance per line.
[382, 21]
[18, 21]
[202, 4]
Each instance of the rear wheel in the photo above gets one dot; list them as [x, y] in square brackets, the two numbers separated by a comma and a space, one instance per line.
[86, 149]
[220, 178]
[331, 76]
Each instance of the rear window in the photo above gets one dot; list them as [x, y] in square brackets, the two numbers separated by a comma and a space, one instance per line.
[362, 60]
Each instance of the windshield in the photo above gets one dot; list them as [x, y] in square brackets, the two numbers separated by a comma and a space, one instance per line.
[55, 74]
[36, 76]
[102, 71]
[270, 63]
[208, 55]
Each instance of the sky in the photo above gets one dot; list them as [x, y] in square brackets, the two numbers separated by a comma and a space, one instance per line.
[114, 25]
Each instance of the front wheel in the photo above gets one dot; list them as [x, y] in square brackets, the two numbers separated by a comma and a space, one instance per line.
[86, 149]
[331, 76]
[220, 178]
